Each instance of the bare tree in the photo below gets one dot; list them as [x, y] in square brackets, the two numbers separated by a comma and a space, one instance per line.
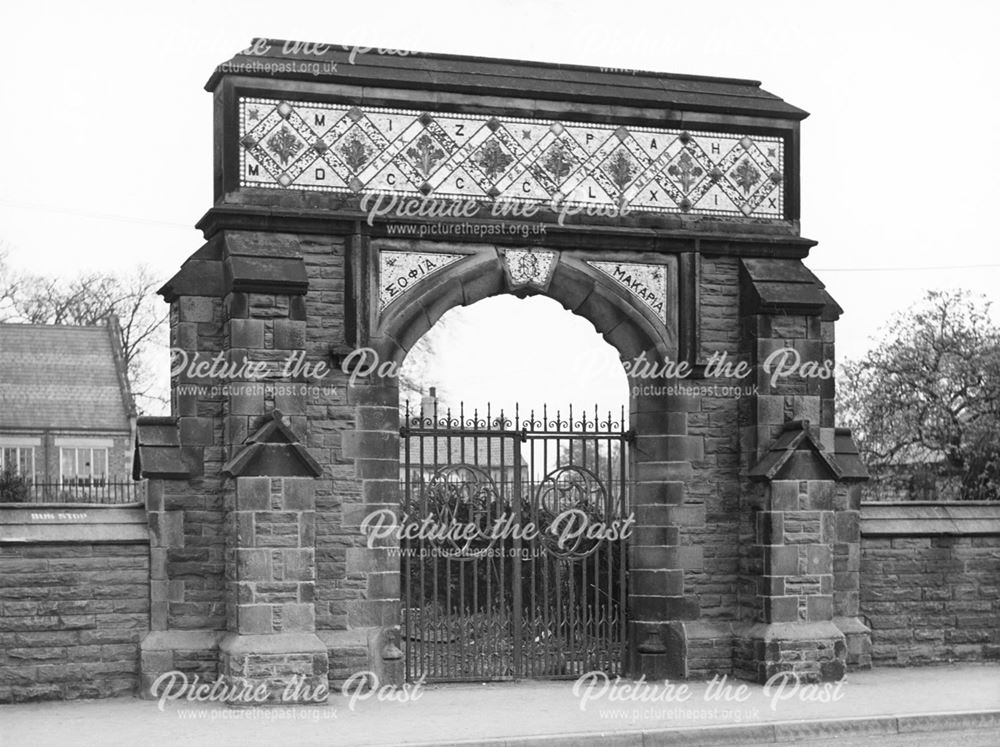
[91, 300]
[929, 393]
[416, 375]
[10, 282]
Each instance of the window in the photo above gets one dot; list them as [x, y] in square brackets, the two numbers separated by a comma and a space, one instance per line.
[83, 465]
[19, 460]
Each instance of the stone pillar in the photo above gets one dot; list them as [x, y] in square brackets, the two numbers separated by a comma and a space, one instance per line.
[270, 521]
[790, 450]
[271, 579]
[181, 560]
[372, 640]
[791, 562]
[847, 560]
[658, 558]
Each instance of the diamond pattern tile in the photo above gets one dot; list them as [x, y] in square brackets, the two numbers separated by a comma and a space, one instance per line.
[337, 148]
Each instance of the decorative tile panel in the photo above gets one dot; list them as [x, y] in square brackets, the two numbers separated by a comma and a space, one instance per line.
[529, 267]
[400, 271]
[648, 283]
[338, 148]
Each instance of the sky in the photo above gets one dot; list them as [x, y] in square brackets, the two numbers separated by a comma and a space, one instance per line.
[107, 136]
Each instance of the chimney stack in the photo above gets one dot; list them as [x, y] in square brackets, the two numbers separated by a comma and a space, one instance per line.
[428, 405]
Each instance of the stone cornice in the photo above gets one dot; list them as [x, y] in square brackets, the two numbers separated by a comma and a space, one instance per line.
[751, 241]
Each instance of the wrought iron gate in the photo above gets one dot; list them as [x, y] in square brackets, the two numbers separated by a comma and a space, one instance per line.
[513, 545]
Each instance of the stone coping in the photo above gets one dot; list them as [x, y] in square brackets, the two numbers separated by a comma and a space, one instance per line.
[926, 518]
[72, 522]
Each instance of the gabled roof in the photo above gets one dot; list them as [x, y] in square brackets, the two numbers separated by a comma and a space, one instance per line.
[487, 76]
[797, 455]
[63, 377]
[273, 449]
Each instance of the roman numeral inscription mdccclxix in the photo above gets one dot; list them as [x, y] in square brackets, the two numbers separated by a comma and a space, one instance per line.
[340, 148]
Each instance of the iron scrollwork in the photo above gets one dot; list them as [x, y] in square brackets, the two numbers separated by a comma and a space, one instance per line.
[570, 500]
[463, 504]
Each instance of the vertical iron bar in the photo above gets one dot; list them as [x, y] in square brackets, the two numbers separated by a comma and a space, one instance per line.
[623, 553]
[489, 559]
[518, 607]
[608, 631]
[501, 581]
[435, 642]
[568, 568]
[408, 620]
[461, 566]
[532, 509]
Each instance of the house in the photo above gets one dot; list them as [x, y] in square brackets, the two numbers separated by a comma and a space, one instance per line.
[438, 441]
[67, 417]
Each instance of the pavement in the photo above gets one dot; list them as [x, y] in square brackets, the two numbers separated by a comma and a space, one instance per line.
[944, 705]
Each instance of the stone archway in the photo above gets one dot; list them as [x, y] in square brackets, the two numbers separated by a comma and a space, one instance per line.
[662, 450]
[664, 209]
[626, 324]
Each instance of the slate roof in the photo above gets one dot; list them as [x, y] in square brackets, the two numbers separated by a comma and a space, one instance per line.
[62, 377]
[518, 78]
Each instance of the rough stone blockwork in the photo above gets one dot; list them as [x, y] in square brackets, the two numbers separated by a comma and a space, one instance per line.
[329, 416]
[718, 561]
[71, 617]
[187, 539]
[715, 420]
[931, 599]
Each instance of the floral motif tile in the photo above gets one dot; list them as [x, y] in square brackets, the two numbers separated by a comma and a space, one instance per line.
[340, 148]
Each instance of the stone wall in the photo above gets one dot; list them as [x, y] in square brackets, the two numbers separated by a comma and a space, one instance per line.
[930, 582]
[74, 602]
[714, 419]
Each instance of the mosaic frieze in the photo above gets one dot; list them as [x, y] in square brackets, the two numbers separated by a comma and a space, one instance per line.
[363, 150]
[400, 271]
[647, 283]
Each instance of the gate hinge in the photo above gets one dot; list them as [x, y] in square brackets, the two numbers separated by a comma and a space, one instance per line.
[629, 436]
